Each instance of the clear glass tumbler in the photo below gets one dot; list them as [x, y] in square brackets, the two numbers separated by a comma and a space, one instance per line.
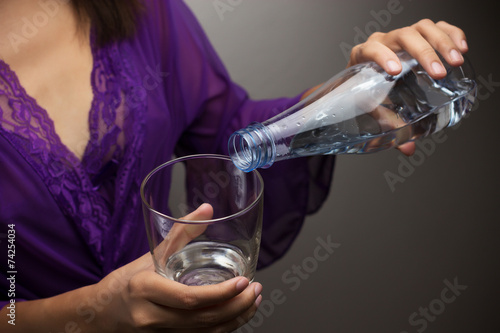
[203, 252]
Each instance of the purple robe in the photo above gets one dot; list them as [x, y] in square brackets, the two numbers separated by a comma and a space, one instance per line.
[162, 92]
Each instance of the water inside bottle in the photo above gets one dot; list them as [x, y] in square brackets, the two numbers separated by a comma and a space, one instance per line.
[415, 106]
[360, 110]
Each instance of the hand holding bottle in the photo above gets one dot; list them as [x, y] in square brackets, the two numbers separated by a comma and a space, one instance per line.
[364, 109]
[421, 41]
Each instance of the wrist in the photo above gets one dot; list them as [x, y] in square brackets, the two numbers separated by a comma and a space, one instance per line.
[104, 309]
[73, 311]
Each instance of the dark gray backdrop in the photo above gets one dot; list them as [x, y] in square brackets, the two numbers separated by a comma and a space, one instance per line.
[422, 256]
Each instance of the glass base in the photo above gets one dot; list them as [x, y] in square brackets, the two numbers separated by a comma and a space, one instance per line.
[206, 263]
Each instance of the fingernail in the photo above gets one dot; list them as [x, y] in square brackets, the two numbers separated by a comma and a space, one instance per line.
[464, 45]
[437, 68]
[393, 66]
[258, 300]
[242, 284]
[258, 289]
[456, 56]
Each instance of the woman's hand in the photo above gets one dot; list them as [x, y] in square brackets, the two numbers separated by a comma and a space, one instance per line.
[421, 41]
[148, 302]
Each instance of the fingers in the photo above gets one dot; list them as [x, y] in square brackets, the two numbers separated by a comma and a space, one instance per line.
[181, 234]
[165, 292]
[407, 148]
[421, 40]
[229, 313]
[374, 50]
[389, 120]
[178, 237]
[171, 304]
[228, 326]
[188, 232]
[204, 212]
[412, 41]
[234, 324]
[430, 37]
[456, 34]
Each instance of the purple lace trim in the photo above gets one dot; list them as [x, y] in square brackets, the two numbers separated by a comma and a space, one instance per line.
[81, 188]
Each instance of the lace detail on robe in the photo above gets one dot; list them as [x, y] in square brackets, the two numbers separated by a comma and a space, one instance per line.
[94, 192]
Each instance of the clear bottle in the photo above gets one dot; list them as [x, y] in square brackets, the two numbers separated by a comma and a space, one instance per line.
[360, 110]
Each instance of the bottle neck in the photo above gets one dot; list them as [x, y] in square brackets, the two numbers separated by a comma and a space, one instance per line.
[252, 147]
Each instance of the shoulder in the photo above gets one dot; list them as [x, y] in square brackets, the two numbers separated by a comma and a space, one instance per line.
[168, 29]
[160, 14]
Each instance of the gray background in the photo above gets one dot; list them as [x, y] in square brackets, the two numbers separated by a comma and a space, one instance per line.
[396, 247]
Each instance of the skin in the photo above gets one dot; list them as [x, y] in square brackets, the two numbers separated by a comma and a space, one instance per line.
[422, 41]
[54, 67]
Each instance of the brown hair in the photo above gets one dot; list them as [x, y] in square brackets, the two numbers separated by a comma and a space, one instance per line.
[112, 19]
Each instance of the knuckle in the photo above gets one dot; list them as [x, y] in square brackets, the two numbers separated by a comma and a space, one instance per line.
[450, 29]
[376, 36]
[189, 300]
[356, 49]
[425, 23]
[428, 52]
[136, 285]
[400, 35]
[207, 319]
[457, 31]
[355, 52]
[140, 319]
[461, 32]
[443, 43]
[371, 44]
[404, 32]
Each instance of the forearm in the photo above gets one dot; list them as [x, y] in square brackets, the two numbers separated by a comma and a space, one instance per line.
[61, 313]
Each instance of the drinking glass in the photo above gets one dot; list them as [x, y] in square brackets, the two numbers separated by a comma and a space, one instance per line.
[203, 252]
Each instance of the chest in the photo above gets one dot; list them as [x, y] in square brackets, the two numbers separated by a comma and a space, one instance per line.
[97, 193]
[61, 85]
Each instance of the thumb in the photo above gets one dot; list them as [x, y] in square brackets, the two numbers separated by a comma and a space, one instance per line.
[187, 232]
[183, 233]
[204, 212]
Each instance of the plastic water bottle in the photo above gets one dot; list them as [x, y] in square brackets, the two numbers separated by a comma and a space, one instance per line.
[360, 110]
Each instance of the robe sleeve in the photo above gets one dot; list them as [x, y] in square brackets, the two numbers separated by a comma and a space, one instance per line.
[201, 93]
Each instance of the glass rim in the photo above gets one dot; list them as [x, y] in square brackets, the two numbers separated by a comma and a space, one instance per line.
[199, 156]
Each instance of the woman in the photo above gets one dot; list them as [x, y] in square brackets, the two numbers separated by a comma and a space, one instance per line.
[73, 154]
